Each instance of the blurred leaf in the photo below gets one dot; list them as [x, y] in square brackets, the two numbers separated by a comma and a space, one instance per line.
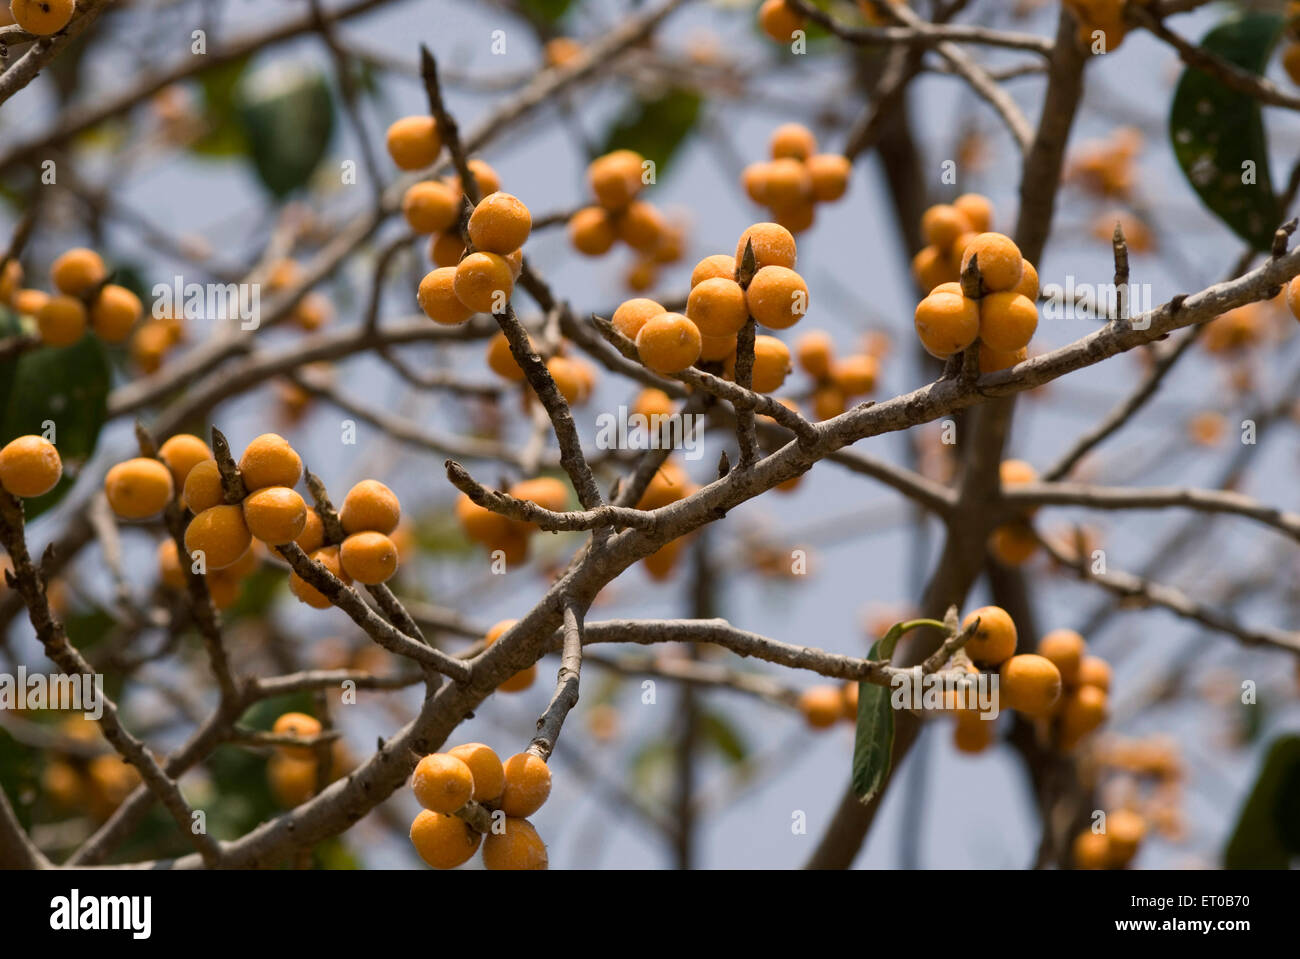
[287, 114]
[1215, 130]
[9, 326]
[873, 744]
[545, 11]
[652, 770]
[256, 593]
[656, 128]
[1268, 831]
[722, 735]
[69, 387]
[224, 136]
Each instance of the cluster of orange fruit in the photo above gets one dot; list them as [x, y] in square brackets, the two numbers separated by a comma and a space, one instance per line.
[824, 705]
[836, 380]
[313, 310]
[96, 784]
[1108, 167]
[718, 307]
[84, 299]
[574, 377]
[797, 177]
[444, 783]
[293, 772]
[511, 536]
[482, 281]
[1114, 846]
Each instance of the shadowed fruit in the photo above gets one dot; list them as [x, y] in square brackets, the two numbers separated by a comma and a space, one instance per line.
[1125, 830]
[202, 488]
[300, 725]
[219, 533]
[485, 765]
[525, 677]
[517, 847]
[437, 297]
[830, 176]
[30, 466]
[430, 206]
[442, 783]
[1091, 850]
[1007, 321]
[479, 523]
[1065, 648]
[1094, 671]
[61, 321]
[778, 20]
[484, 282]
[527, 784]
[78, 271]
[615, 178]
[328, 557]
[591, 231]
[115, 310]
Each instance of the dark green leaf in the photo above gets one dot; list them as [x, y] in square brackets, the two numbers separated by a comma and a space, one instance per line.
[1268, 831]
[720, 733]
[1216, 130]
[873, 744]
[655, 128]
[9, 326]
[287, 114]
[545, 11]
[69, 387]
[223, 135]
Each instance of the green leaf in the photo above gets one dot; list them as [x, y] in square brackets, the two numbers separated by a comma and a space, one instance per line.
[720, 733]
[655, 128]
[1268, 831]
[873, 744]
[223, 135]
[10, 325]
[545, 11]
[1216, 130]
[287, 113]
[69, 387]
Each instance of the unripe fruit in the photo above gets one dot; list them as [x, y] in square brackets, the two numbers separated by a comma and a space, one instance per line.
[1065, 648]
[528, 783]
[437, 297]
[1083, 711]
[524, 678]
[999, 261]
[777, 297]
[479, 523]
[659, 565]
[714, 348]
[442, 783]
[591, 231]
[717, 307]
[1091, 850]
[369, 557]
[546, 491]
[414, 142]
[1030, 684]
[946, 323]
[219, 533]
[641, 227]
[312, 536]
[329, 558]
[615, 178]
[778, 20]
[302, 726]
[933, 267]
[170, 570]
[370, 505]
[485, 765]
[1007, 321]
[269, 460]
[632, 314]
[431, 206]
[830, 176]
[61, 321]
[821, 706]
[138, 488]
[994, 640]
[717, 265]
[202, 489]
[77, 272]
[668, 343]
[243, 566]
[500, 223]
[855, 375]
[114, 312]
[517, 847]
[772, 243]
[977, 210]
[1028, 285]
[814, 353]
[276, 515]
[30, 466]
[42, 17]
[1125, 830]
[1094, 671]
[182, 453]
[941, 224]
[443, 842]
[484, 282]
